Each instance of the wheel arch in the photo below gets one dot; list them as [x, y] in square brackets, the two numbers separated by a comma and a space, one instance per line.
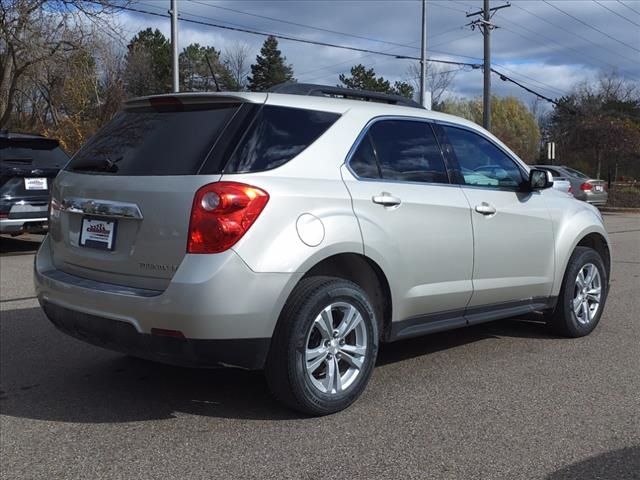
[367, 274]
[591, 237]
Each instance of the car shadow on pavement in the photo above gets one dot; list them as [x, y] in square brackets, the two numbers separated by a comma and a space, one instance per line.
[530, 327]
[623, 464]
[47, 375]
[19, 245]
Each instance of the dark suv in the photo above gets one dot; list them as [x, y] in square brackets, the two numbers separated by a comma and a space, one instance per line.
[28, 165]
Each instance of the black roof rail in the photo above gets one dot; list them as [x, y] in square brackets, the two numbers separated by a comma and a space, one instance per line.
[311, 89]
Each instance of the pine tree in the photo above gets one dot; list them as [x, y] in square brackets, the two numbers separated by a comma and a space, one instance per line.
[148, 69]
[363, 79]
[195, 74]
[270, 68]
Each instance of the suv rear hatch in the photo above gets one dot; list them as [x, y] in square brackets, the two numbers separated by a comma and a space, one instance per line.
[28, 165]
[120, 210]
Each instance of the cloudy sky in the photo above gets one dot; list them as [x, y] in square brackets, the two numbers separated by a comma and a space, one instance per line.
[550, 46]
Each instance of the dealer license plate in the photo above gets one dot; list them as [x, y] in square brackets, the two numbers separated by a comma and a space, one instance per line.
[98, 233]
[35, 183]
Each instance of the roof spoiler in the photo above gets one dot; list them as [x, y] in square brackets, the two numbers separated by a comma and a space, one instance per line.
[310, 89]
[174, 100]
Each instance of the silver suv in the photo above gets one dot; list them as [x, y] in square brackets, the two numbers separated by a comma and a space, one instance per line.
[296, 233]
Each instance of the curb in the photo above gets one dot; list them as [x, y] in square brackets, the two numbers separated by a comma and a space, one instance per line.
[619, 209]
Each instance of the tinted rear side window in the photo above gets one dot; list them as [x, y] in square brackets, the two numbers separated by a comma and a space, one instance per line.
[363, 162]
[408, 151]
[154, 142]
[277, 135]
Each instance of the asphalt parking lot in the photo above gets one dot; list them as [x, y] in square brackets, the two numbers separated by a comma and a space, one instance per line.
[505, 400]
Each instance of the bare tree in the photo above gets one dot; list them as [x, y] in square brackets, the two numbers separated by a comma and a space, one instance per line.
[35, 31]
[438, 80]
[236, 59]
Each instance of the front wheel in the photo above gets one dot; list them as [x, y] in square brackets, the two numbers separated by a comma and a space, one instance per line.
[324, 348]
[583, 294]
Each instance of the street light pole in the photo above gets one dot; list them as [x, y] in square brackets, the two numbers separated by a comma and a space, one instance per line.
[425, 97]
[174, 45]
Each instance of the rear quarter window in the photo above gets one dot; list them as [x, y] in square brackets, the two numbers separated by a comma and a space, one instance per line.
[277, 135]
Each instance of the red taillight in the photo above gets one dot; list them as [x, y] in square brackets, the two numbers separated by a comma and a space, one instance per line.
[586, 186]
[570, 189]
[221, 214]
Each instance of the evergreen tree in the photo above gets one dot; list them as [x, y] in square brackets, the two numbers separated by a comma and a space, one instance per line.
[270, 68]
[363, 79]
[195, 74]
[148, 69]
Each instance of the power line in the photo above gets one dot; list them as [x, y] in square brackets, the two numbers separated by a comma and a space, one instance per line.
[288, 22]
[326, 30]
[278, 35]
[448, 7]
[291, 38]
[360, 57]
[616, 13]
[592, 27]
[502, 76]
[632, 9]
[563, 29]
[546, 86]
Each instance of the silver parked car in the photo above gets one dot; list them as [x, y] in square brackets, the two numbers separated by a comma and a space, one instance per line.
[296, 232]
[582, 186]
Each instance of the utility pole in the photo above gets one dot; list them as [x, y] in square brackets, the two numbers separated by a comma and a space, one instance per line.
[485, 26]
[174, 45]
[425, 97]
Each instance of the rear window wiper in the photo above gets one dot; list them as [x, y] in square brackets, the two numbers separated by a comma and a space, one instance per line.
[104, 165]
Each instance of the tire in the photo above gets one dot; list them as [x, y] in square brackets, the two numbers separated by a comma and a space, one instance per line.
[304, 353]
[578, 322]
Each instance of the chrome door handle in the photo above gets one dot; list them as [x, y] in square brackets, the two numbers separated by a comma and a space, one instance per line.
[386, 199]
[485, 209]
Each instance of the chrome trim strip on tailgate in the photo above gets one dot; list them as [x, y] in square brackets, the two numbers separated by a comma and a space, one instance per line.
[63, 277]
[101, 208]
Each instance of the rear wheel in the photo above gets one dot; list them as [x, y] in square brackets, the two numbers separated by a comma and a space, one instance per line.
[324, 348]
[583, 294]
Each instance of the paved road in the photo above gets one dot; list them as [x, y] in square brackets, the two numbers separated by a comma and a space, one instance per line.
[498, 401]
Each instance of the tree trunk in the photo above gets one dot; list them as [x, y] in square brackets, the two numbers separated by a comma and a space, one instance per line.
[7, 87]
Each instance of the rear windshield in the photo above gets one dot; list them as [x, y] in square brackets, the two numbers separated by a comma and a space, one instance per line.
[31, 154]
[154, 141]
[576, 173]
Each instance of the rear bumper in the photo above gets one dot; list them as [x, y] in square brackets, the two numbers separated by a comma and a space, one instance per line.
[23, 225]
[599, 198]
[215, 301]
[122, 337]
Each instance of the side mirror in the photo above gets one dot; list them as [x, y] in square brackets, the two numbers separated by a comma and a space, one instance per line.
[539, 179]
